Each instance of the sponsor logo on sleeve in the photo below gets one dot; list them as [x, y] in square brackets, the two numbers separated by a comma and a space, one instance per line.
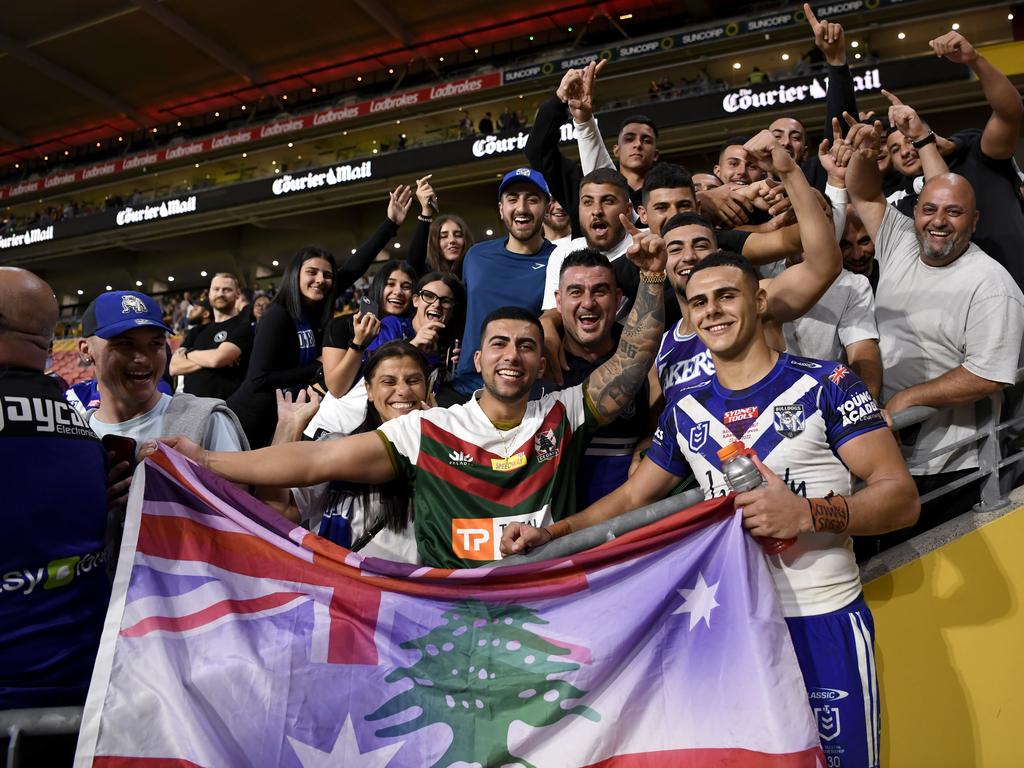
[860, 407]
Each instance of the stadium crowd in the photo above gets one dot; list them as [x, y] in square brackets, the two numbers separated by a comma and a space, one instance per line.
[635, 317]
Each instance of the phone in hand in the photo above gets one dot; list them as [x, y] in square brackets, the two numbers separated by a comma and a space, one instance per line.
[368, 306]
[121, 449]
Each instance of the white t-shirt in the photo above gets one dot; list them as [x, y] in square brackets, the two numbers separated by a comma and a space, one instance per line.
[844, 315]
[221, 434]
[933, 319]
[558, 256]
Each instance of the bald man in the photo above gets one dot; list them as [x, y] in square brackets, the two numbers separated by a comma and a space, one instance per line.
[53, 588]
[950, 318]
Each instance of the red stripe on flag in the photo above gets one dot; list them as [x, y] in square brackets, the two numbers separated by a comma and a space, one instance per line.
[210, 613]
[114, 761]
[720, 758]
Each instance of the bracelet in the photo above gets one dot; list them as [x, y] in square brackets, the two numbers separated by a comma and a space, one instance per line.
[830, 514]
[425, 219]
[652, 278]
[357, 347]
[557, 530]
[924, 141]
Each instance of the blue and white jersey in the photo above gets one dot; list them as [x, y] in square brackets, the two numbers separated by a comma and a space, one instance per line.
[682, 361]
[796, 418]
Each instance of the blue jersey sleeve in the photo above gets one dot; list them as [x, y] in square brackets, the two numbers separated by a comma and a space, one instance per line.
[848, 408]
[664, 450]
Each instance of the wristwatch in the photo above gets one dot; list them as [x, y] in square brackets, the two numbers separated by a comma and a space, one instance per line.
[357, 347]
[924, 141]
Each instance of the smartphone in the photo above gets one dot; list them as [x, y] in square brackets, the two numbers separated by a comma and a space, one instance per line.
[122, 449]
[368, 306]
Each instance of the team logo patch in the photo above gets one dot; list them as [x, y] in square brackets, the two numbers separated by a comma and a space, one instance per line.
[740, 414]
[220, 336]
[544, 445]
[828, 721]
[838, 374]
[698, 436]
[131, 303]
[789, 419]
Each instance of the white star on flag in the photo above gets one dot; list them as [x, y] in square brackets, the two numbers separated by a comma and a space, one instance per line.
[698, 602]
[345, 752]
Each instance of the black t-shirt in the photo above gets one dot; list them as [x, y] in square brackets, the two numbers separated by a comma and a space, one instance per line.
[340, 332]
[219, 382]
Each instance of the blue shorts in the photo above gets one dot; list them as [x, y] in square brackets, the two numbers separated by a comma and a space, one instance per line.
[837, 657]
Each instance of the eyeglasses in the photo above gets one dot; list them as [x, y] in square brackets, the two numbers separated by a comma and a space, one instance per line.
[430, 297]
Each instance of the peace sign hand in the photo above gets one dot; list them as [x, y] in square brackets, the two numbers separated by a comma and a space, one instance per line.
[648, 251]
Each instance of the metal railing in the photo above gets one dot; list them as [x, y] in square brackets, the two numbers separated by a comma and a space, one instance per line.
[16, 724]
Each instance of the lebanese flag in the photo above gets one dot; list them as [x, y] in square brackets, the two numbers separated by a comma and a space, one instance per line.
[236, 638]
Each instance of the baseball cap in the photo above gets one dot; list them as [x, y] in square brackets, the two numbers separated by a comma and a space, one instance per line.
[528, 175]
[112, 313]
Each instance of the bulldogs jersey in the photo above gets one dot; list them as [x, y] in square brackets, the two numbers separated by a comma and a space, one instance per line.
[682, 361]
[796, 419]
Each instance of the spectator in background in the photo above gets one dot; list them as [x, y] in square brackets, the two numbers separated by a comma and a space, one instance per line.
[757, 76]
[486, 124]
[557, 225]
[950, 318]
[286, 349]
[259, 306]
[54, 515]
[449, 240]
[506, 120]
[858, 249]
[214, 358]
[702, 182]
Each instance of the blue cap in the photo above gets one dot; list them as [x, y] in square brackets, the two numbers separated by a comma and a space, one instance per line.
[115, 312]
[528, 175]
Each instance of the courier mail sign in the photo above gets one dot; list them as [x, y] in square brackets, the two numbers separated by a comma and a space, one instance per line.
[792, 92]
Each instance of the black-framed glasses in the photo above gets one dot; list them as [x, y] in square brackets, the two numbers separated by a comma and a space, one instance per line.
[430, 297]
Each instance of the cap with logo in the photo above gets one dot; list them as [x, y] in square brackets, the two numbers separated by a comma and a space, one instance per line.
[115, 312]
[528, 175]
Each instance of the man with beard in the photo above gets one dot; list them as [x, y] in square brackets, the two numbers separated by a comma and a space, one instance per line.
[506, 271]
[950, 319]
[858, 248]
[500, 458]
[604, 195]
[588, 299]
[214, 357]
[557, 226]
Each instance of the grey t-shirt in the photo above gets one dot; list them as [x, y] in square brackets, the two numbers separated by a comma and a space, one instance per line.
[843, 316]
[932, 319]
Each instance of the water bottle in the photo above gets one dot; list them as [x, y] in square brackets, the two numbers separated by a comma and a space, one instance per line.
[741, 474]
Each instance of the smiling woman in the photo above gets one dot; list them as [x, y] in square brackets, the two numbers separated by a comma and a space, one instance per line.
[286, 351]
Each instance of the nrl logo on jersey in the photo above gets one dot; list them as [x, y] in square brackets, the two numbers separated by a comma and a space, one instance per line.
[698, 436]
[789, 419]
[544, 445]
[131, 303]
[459, 459]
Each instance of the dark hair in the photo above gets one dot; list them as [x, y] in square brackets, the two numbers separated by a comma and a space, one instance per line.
[381, 279]
[290, 297]
[511, 313]
[727, 259]
[642, 120]
[435, 260]
[732, 141]
[606, 176]
[687, 219]
[585, 257]
[457, 317]
[667, 176]
[396, 494]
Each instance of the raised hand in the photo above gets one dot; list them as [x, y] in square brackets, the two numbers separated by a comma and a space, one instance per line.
[577, 90]
[954, 47]
[905, 118]
[835, 172]
[426, 337]
[298, 411]
[399, 203]
[829, 37]
[648, 251]
[365, 328]
[426, 196]
[769, 154]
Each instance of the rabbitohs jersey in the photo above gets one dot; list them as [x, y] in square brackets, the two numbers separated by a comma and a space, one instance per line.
[796, 418]
[471, 480]
[682, 361]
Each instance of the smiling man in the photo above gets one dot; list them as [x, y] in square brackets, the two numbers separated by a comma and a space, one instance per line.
[498, 459]
[950, 318]
[126, 339]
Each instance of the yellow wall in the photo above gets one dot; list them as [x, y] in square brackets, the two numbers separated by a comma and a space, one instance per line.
[1008, 58]
[950, 634]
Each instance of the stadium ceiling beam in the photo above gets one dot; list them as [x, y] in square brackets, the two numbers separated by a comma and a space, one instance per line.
[6, 134]
[385, 19]
[198, 40]
[78, 84]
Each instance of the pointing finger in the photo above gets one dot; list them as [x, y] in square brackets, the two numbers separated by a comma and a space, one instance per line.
[811, 18]
[630, 227]
[850, 119]
[893, 99]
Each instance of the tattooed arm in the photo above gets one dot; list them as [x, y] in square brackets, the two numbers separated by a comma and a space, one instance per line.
[613, 386]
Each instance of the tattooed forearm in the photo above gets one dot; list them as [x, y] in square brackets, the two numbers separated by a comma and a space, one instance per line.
[613, 386]
[830, 514]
